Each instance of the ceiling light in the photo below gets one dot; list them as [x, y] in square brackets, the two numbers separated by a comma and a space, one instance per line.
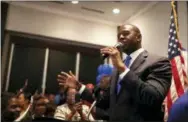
[116, 11]
[75, 2]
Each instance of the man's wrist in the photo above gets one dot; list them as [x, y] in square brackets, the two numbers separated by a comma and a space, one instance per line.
[122, 68]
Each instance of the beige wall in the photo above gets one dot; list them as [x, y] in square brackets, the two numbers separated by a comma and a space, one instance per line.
[54, 25]
[154, 25]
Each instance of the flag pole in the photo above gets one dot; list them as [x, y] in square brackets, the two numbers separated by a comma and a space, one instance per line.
[175, 19]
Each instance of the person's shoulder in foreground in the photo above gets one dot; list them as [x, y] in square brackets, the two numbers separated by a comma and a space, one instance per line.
[179, 110]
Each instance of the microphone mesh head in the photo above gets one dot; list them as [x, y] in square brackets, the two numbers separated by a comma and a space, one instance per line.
[119, 44]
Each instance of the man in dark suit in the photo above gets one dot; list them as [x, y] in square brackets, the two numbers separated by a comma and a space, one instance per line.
[139, 83]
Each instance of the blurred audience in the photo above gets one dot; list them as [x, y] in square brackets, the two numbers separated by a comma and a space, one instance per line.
[66, 105]
[24, 106]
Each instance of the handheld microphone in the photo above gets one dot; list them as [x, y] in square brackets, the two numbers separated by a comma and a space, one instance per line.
[118, 45]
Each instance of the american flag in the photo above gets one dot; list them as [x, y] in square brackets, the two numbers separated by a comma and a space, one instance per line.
[179, 76]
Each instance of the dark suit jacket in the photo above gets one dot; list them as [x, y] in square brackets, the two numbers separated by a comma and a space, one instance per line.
[103, 99]
[143, 90]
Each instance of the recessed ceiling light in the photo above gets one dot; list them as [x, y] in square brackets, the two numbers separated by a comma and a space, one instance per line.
[116, 11]
[75, 2]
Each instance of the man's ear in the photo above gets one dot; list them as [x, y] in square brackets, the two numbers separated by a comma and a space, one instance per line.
[139, 37]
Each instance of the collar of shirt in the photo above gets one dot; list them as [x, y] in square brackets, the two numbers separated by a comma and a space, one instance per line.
[133, 55]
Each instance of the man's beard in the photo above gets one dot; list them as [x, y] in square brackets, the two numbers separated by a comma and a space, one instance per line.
[128, 50]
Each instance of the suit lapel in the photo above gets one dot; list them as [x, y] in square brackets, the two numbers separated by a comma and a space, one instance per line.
[139, 60]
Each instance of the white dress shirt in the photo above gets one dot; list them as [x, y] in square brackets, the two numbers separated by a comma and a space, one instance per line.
[133, 55]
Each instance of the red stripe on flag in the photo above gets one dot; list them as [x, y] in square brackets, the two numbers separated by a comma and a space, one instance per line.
[184, 72]
[169, 101]
[177, 81]
[183, 62]
[182, 59]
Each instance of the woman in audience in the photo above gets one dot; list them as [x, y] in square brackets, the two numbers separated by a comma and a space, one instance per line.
[71, 110]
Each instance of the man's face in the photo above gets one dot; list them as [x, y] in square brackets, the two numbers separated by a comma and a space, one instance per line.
[21, 99]
[40, 107]
[90, 87]
[51, 97]
[129, 37]
[71, 96]
[14, 107]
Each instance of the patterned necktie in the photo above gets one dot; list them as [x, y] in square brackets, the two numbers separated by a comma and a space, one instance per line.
[126, 62]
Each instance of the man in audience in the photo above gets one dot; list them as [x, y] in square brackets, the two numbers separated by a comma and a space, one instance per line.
[12, 108]
[24, 101]
[90, 87]
[5, 96]
[102, 96]
[39, 107]
[50, 109]
[71, 110]
[51, 98]
[103, 93]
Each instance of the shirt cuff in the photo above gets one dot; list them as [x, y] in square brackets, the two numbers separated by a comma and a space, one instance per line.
[124, 73]
[82, 89]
